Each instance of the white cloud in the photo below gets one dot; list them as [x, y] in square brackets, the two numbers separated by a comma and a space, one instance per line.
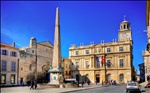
[16, 36]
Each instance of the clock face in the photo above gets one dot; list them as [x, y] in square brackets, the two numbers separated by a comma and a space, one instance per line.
[124, 35]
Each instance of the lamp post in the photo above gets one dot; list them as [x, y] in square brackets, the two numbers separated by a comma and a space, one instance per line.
[36, 62]
[105, 67]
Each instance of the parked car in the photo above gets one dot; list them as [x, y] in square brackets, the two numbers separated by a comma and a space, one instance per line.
[133, 86]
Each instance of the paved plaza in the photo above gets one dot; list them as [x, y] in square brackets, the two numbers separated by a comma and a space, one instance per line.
[93, 88]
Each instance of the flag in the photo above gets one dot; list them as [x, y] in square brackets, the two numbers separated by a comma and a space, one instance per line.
[103, 59]
[98, 59]
[108, 63]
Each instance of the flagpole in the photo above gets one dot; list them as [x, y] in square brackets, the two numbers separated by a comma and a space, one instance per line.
[105, 66]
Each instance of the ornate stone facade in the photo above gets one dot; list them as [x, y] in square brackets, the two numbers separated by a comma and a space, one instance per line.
[118, 54]
[35, 60]
[146, 52]
[9, 64]
[66, 63]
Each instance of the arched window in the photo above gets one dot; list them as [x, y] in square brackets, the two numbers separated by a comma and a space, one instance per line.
[124, 26]
[109, 77]
[121, 77]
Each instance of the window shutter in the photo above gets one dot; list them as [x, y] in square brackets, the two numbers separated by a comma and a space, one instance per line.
[10, 53]
[0, 51]
[6, 52]
[16, 54]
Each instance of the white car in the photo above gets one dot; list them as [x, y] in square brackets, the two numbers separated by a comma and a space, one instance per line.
[133, 86]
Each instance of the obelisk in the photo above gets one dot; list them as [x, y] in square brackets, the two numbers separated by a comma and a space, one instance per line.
[55, 69]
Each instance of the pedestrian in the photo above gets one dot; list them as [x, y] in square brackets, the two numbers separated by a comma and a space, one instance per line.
[82, 82]
[88, 82]
[32, 84]
[96, 82]
[22, 83]
[35, 84]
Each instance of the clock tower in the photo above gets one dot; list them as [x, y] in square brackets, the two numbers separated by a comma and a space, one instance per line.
[124, 33]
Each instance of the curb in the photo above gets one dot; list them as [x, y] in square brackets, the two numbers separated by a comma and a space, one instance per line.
[81, 89]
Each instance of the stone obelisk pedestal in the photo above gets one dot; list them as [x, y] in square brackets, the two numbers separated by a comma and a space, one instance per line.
[56, 78]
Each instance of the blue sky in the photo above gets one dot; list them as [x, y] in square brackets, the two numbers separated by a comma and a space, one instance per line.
[80, 22]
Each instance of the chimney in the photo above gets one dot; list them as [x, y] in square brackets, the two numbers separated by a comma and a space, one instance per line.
[13, 44]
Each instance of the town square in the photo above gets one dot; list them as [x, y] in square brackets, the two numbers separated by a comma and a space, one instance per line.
[75, 46]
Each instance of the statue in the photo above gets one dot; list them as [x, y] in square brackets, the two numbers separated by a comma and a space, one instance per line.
[58, 67]
[51, 67]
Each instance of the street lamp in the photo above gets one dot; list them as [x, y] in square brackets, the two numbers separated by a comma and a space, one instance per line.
[36, 62]
[105, 67]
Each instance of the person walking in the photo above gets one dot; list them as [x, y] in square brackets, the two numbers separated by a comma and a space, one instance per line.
[82, 82]
[96, 82]
[35, 84]
[32, 84]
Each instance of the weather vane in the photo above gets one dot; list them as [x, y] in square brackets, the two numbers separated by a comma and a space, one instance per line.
[124, 17]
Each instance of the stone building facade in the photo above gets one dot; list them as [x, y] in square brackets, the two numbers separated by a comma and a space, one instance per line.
[9, 64]
[142, 72]
[35, 61]
[66, 63]
[117, 54]
[146, 53]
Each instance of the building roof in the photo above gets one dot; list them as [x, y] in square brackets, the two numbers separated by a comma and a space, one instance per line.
[7, 45]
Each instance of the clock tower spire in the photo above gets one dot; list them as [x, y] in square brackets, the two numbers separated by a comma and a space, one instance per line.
[125, 33]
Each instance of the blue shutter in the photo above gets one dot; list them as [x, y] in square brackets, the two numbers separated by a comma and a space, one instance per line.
[6, 52]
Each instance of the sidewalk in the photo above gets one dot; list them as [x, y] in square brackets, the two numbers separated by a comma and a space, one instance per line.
[66, 90]
[26, 89]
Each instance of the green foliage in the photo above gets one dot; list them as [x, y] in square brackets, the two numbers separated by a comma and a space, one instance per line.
[23, 54]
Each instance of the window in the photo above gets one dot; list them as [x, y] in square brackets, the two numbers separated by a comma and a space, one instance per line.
[87, 64]
[3, 78]
[4, 52]
[108, 49]
[77, 64]
[13, 66]
[12, 81]
[66, 72]
[108, 63]
[121, 62]
[30, 67]
[66, 65]
[3, 65]
[76, 52]
[121, 77]
[87, 51]
[32, 51]
[108, 77]
[14, 54]
[120, 48]
[21, 68]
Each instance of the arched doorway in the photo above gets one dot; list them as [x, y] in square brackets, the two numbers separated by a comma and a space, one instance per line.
[121, 77]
